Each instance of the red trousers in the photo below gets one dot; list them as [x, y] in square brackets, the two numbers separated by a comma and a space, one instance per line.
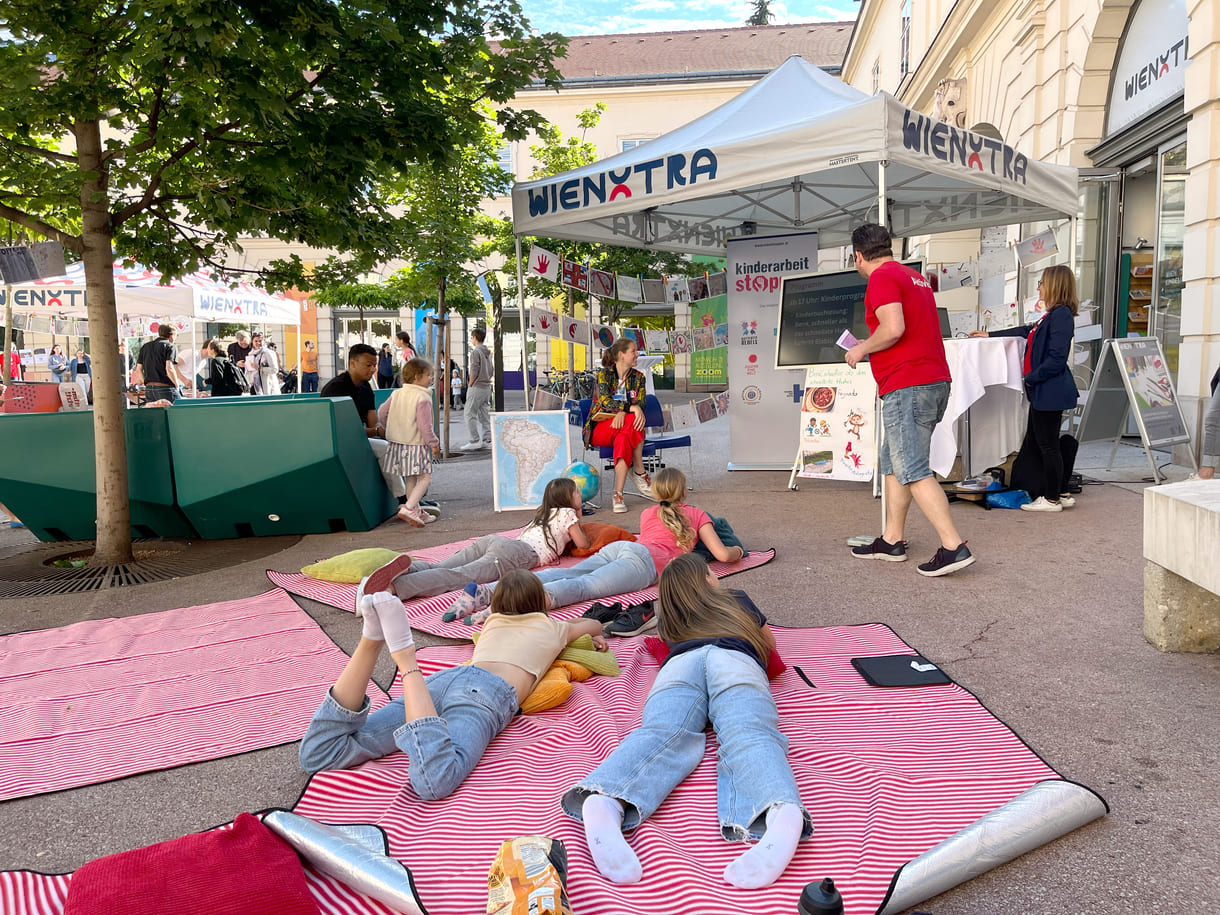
[624, 440]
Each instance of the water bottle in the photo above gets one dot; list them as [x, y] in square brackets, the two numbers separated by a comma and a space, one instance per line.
[820, 899]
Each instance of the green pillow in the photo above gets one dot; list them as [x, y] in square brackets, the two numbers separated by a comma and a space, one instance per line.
[581, 651]
[352, 566]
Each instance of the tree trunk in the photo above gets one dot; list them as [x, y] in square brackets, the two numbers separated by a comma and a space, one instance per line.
[109, 426]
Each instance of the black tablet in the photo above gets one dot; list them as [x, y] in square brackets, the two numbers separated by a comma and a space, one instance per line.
[900, 670]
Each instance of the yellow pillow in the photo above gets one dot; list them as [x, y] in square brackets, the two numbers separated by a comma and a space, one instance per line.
[581, 651]
[350, 567]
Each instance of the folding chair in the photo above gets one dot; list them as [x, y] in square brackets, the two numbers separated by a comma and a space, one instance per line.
[605, 453]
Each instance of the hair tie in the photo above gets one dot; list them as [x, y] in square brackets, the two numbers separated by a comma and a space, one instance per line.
[663, 504]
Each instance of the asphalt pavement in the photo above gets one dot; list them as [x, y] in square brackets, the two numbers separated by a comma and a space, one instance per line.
[1045, 629]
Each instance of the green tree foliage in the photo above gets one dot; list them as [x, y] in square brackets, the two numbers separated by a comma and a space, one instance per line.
[760, 13]
[556, 153]
[171, 128]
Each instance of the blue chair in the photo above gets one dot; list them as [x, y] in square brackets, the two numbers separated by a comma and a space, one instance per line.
[654, 447]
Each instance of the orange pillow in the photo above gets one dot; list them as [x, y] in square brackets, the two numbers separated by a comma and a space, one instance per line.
[599, 535]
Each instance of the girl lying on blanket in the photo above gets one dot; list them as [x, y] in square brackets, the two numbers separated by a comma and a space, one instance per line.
[543, 541]
[667, 529]
[445, 721]
[715, 672]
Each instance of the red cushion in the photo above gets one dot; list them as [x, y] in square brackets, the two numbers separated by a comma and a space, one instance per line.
[240, 870]
[659, 650]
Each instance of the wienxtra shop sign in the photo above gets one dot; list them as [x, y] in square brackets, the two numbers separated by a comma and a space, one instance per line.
[48, 298]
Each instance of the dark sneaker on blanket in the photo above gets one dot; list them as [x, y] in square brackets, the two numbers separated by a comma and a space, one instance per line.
[882, 549]
[946, 561]
[603, 613]
[634, 620]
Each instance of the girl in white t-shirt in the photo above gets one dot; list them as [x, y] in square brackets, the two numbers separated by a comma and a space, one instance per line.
[556, 522]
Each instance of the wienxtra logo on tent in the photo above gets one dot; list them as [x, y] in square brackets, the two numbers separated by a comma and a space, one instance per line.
[638, 180]
[961, 147]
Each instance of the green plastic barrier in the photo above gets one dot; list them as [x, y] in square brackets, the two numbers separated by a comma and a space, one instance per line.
[263, 466]
[48, 477]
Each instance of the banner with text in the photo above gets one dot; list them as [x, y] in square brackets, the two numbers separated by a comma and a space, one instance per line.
[765, 399]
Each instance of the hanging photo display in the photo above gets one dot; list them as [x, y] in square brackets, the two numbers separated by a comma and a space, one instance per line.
[601, 283]
[658, 341]
[837, 434]
[705, 409]
[698, 287]
[716, 284]
[654, 291]
[637, 335]
[683, 417]
[630, 288]
[543, 263]
[576, 275]
[680, 342]
[605, 335]
[574, 330]
[544, 322]
[676, 289]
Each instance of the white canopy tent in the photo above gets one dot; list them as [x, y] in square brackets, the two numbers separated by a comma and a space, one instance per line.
[142, 292]
[799, 149]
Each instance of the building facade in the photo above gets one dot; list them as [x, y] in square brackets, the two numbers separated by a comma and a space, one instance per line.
[1128, 91]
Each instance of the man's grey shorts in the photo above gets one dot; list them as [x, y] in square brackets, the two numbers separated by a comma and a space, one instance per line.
[909, 416]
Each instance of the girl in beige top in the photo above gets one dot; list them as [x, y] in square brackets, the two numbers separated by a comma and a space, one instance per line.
[443, 722]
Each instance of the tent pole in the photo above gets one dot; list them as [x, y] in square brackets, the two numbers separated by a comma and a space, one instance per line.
[525, 363]
[1072, 244]
[878, 483]
[882, 215]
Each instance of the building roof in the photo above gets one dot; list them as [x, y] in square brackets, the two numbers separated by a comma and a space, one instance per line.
[700, 54]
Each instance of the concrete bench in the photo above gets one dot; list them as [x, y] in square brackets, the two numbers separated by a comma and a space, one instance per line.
[1182, 566]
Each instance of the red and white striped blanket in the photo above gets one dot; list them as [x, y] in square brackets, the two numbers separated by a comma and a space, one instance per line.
[885, 773]
[425, 612]
[104, 699]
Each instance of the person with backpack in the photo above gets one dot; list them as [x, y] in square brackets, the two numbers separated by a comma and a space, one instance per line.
[225, 378]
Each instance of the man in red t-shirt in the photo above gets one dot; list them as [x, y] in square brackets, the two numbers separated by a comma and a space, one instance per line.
[907, 357]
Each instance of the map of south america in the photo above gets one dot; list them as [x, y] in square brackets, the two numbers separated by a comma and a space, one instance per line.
[532, 447]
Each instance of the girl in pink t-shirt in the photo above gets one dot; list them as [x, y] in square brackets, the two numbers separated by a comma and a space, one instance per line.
[668, 529]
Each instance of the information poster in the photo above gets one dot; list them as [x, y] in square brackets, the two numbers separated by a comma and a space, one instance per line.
[709, 327]
[765, 399]
[1151, 390]
[837, 417]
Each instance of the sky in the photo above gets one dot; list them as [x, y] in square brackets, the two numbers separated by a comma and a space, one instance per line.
[606, 17]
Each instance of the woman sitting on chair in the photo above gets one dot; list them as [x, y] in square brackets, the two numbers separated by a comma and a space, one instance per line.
[616, 417]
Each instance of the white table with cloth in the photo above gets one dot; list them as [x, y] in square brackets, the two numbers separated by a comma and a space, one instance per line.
[987, 392]
[645, 364]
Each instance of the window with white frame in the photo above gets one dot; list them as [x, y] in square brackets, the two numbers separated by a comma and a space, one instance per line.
[876, 76]
[631, 143]
[904, 50]
[504, 158]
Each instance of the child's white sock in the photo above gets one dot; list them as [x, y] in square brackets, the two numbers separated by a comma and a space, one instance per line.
[612, 855]
[393, 618]
[761, 865]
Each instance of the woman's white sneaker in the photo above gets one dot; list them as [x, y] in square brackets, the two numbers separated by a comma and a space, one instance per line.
[1040, 504]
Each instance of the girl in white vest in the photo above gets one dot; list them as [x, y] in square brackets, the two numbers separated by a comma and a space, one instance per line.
[413, 443]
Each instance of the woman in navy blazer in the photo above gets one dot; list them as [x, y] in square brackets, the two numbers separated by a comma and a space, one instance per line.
[1048, 380]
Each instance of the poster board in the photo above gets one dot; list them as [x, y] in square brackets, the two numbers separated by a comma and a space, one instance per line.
[528, 450]
[1133, 376]
[838, 414]
[1132, 379]
[814, 311]
[766, 400]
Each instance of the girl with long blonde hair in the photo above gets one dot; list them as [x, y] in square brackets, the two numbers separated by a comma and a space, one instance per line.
[668, 529]
[715, 673]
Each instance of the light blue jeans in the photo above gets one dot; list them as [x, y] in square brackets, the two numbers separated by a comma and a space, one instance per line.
[730, 690]
[485, 560]
[472, 707]
[909, 416]
[616, 568]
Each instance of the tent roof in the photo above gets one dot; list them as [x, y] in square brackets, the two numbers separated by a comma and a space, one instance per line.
[141, 290]
[799, 149]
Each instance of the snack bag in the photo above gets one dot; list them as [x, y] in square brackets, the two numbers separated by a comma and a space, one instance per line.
[527, 878]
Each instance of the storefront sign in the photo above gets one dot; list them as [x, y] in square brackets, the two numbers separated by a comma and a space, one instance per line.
[48, 298]
[1151, 68]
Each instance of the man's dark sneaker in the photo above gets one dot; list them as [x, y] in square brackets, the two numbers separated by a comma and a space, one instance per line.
[603, 613]
[634, 620]
[882, 549]
[946, 561]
